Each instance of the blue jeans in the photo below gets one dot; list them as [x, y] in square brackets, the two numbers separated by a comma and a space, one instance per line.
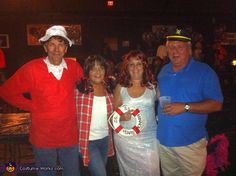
[98, 150]
[46, 161]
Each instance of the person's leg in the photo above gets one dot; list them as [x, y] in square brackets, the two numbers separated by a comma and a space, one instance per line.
[69, 160]
[193, 158]
[168, 161]
[46, 160]
[185, 161]
[98, 150]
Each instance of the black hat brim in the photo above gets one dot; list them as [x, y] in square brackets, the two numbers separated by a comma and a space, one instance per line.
[178, 38]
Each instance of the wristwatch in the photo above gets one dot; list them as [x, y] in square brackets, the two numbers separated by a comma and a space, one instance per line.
[186, 107]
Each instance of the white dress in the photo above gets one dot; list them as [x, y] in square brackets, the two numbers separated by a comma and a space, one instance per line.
[138, 155]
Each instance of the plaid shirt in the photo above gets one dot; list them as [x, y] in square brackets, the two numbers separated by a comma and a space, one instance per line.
[84, 106]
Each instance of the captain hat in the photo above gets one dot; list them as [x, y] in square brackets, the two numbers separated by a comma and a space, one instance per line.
[179, 34]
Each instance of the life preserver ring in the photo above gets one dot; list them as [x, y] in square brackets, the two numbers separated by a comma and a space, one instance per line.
[114, 121]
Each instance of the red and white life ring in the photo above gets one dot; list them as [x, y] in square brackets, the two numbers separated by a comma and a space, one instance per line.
[114, 121]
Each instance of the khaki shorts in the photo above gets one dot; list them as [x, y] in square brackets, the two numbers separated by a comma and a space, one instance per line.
[184, 161]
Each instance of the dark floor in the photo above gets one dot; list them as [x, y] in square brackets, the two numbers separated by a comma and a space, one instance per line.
[224, 122]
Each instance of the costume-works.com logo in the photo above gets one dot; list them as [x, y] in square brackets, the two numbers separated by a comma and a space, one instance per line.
[10, 167]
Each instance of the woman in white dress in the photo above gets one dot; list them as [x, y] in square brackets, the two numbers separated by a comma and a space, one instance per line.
[137, 155]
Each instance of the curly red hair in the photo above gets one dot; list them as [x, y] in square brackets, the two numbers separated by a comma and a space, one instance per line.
[124, 76]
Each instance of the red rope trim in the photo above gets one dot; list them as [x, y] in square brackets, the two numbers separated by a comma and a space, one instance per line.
[119, 111]
[136, 130]
[135, 112]
[119, 128]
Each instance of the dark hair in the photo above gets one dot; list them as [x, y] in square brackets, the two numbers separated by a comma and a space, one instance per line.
[124, 78]
[91, 61]
[85, 85]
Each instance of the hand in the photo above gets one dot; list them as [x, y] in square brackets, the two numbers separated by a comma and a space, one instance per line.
[126, 116]
[173, 108]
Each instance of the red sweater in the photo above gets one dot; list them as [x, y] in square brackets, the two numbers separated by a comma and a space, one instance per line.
[2, 59]
[52, 104]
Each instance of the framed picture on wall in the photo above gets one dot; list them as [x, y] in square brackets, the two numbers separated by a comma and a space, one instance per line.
[36, 31]
[228, 38]
[4, 41]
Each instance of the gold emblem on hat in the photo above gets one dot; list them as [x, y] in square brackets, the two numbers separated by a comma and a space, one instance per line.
[178, 31]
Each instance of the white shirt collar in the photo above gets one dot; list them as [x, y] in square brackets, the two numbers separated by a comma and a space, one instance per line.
[56, 70]
[51, 67]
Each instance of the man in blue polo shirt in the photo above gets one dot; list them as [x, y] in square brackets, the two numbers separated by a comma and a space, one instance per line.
[194, 90]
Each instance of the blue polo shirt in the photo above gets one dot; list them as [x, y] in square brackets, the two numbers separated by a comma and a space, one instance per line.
[194, 83]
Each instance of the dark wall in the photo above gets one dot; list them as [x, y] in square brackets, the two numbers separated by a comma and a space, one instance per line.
[94, 30]
[95, 27]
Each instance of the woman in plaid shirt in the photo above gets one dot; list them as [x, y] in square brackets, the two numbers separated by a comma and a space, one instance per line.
[94, 106]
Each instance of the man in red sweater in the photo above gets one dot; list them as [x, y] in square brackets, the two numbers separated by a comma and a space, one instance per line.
[51, 82]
